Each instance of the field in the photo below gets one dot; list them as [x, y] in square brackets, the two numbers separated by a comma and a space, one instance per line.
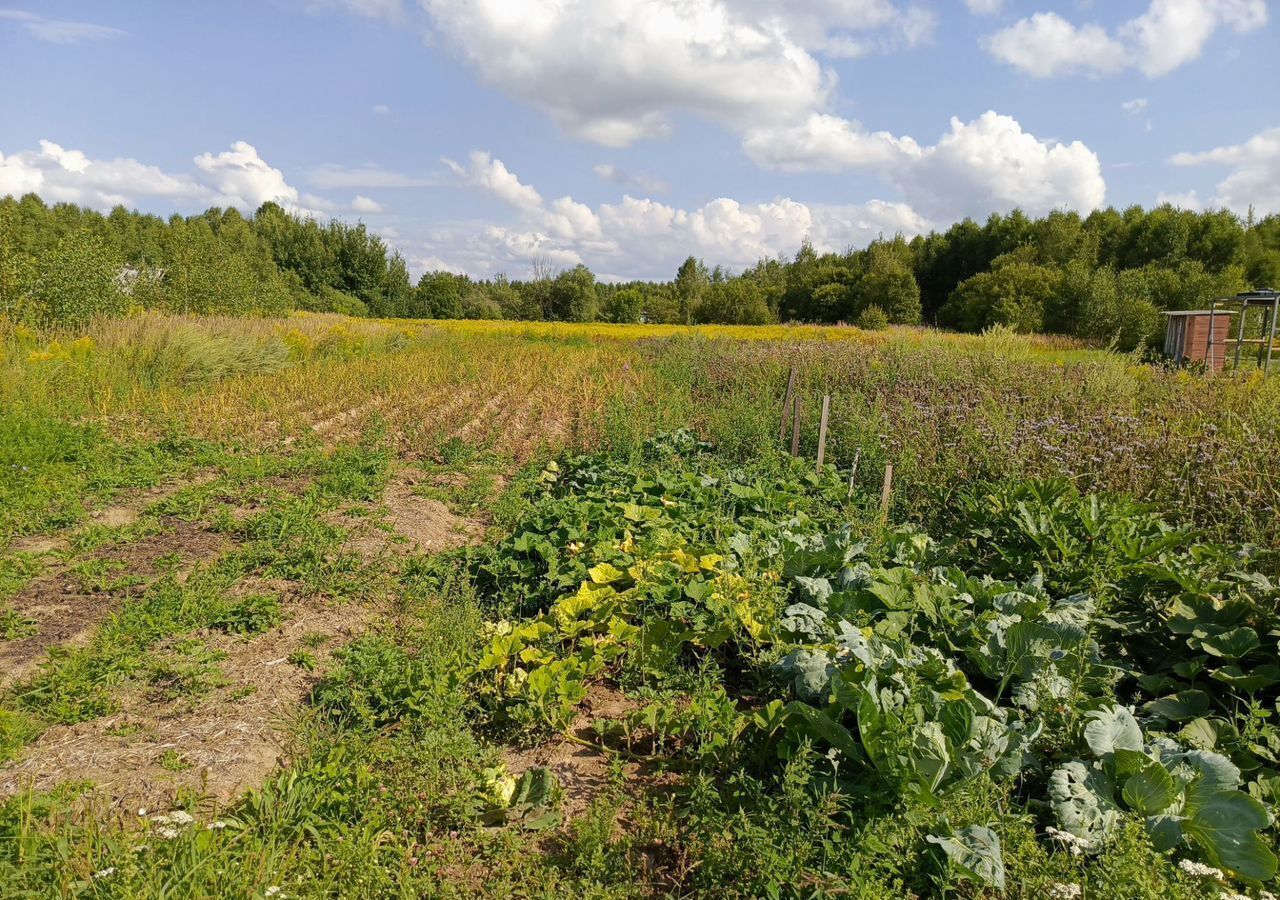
[323, 606]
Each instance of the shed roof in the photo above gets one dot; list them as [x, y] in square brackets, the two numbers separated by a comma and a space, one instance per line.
[1197, 312]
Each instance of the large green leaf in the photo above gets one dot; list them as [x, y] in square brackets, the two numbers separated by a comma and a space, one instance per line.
[1181, 706]
[1112, 728]
[974, 853]
[1224, 827]
[1082, 800]
[1151, 790]
[1233, 644]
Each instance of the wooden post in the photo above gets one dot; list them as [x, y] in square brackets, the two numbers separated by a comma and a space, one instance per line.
[1244, 315]
[1208, 350]
[1271, 335]
[853, 472]
[786, 403]
[886, 492]
[795, 428]
[822, 431]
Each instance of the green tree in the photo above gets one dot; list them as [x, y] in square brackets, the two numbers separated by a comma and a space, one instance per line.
[572, 296]
[1015, 294]
[692, 279]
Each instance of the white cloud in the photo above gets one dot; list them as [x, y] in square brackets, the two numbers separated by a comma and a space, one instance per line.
[244, 177]
[641, 181]
[237, 177]
[492, 176]
[614, 71]
[987, 164]
[984, 7]
[1169, 34]
[1254, 177]
[382, 110]
[363, 204]
[1135, 106]
[640, 237]
[54, 31]
[1047, 44]
[1188, 200]
[825, 143]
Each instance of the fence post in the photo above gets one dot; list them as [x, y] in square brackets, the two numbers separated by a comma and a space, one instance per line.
[786, 403]
[795, 428]
[886, 492]
[853, 472]
[822, 431]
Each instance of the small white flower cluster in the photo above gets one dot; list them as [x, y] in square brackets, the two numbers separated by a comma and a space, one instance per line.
[1065, 892]
[1234, 896]
[1200, 870]
[171, 824]
[104, 873]
[1078, 846]
[216, 825]
[273, 891]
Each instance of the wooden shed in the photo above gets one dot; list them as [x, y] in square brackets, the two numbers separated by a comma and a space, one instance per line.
[1197, 336]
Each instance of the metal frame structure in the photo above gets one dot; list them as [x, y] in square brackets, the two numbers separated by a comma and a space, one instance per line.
[1269, 301]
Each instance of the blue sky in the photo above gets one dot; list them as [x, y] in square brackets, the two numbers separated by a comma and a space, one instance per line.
[482, 135]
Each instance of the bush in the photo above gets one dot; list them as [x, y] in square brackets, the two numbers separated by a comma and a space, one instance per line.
[873, 318]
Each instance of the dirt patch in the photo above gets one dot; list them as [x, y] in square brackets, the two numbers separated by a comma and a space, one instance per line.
[66, 610]
[126, 512]
[221, 743]
[583, 772]
[406, 522]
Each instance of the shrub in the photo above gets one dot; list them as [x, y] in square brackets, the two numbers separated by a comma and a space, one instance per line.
[872, 318]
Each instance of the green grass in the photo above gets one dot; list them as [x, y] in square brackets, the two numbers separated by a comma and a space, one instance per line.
[396, 763]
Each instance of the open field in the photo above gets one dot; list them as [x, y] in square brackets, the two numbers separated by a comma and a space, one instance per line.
[321, 606]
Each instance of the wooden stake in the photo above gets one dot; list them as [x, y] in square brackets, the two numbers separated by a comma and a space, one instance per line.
[795, 429]
[786, 403]
[822, 430]
[886, 492]
[853, 472]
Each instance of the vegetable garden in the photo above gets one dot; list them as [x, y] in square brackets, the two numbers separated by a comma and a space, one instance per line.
[645, 652]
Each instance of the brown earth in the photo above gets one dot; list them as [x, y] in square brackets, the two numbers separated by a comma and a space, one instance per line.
[226, 742]
[582, 771]
[67, 612]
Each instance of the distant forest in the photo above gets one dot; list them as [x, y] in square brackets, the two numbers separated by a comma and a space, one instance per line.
[1104, 277]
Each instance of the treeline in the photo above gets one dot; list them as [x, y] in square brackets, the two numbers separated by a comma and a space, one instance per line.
[1105, 276]
[64, 264]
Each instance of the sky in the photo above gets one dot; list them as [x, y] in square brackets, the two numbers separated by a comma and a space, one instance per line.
[490, 136]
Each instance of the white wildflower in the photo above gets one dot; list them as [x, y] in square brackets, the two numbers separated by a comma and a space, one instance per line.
[142, 812]
[216, 825]
[272, 891]
[1062, 891]
[168, 832]
[105, 873]
[1234, 896]
[1200, 870]
[1266, 895]
[1074, 843]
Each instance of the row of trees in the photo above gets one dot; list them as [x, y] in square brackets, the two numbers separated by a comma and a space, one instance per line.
[1105, 276]
[64, 264]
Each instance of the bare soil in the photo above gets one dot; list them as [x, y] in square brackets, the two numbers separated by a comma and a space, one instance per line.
[225, 742]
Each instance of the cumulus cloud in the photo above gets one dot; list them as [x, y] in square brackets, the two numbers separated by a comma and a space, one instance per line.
[977, 167]
[237, 177]
[1254, 176]
[55, 31]
[1169, 34]
[614, 71]
[642, 237]
[1135, 106]
[1188, 200]
[382, 109]
[363, 204]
